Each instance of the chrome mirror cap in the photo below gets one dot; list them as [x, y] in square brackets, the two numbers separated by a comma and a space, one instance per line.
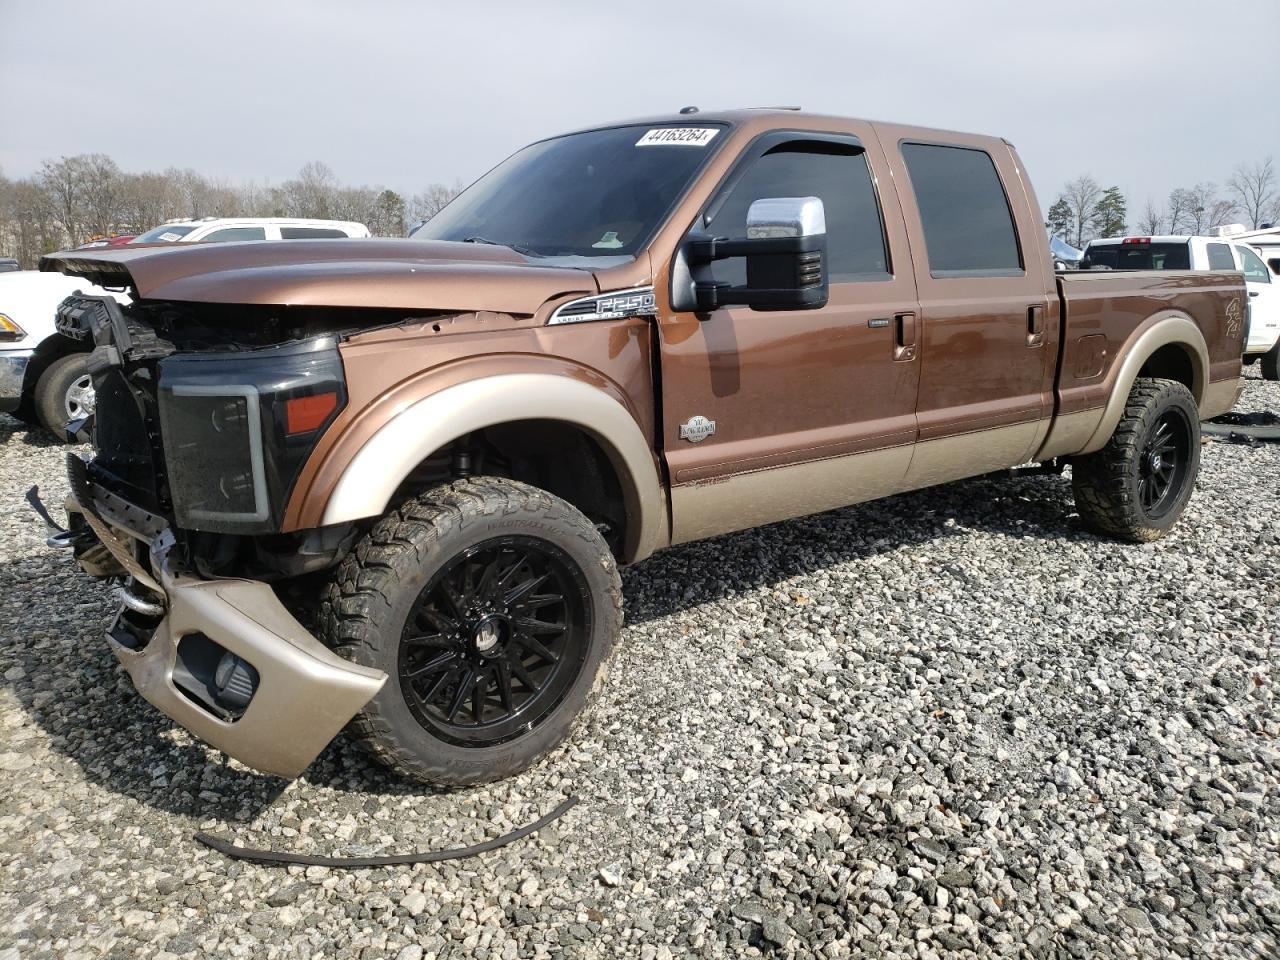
[772, 217]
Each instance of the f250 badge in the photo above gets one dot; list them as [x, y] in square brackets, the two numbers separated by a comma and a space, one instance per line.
[697, 429]
[1233, 317]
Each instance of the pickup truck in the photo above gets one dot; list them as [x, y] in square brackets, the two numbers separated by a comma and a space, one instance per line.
[387, 484]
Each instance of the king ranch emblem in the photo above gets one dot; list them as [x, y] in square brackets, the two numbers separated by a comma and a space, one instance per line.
[697, 429]
[1233, 317]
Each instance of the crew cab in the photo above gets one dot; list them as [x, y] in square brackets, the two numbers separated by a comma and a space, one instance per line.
[388, 483]
[224, 229]
[1205, 253]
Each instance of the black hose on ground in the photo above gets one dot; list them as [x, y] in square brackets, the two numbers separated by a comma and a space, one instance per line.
[1244, 427]
[279, 858]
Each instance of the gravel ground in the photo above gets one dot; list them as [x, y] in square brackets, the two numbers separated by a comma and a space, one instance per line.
[948, 724]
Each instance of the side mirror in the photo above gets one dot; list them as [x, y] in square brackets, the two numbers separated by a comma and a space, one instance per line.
[786, 254]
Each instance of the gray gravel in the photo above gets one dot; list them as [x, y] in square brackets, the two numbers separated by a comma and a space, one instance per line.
[949, 724]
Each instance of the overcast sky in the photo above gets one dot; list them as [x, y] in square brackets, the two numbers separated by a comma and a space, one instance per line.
[398, 93]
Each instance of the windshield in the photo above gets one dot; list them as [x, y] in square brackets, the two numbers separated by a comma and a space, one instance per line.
[1138, 256]
[169, 233]
[602, 193]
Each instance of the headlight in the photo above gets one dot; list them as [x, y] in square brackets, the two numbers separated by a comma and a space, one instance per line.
[10, 332]
[238, 426]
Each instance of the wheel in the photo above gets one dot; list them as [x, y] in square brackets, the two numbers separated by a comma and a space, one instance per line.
[1271, 363]
[492, 606]
[64, 392]
[1137, 486]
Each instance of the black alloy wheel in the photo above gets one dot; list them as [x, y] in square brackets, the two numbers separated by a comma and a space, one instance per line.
[494, 641]
[1163, 463]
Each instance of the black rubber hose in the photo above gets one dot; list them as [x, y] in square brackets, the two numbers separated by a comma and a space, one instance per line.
[1241, 430]
[278, 858]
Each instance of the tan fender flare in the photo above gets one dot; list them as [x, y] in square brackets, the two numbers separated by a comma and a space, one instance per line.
[1161, 331]
[425, 426]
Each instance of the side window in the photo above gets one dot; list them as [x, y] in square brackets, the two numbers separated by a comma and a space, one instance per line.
[968, 226]
[1254, 268]
[237, 233]
[310, 233]
[836, 174]
[1220, 257]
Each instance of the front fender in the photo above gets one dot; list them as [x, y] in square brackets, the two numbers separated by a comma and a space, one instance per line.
[385, 460]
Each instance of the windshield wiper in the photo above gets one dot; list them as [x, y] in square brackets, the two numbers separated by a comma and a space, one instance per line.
[510, 246]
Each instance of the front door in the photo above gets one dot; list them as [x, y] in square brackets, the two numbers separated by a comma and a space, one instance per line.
[1264, 301]
[812, 409]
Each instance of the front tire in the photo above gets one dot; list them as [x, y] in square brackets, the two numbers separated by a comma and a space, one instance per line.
[492, 606]
[64, 392]
[1136, 487]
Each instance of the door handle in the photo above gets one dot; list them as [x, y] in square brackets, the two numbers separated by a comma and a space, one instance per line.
[1253, 293]
[904, 336]
[1035, 325]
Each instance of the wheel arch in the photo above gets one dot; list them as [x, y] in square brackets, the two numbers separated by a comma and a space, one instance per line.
[1169, 346]
[426, 426]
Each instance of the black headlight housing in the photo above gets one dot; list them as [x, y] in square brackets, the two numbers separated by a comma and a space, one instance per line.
[237, 427]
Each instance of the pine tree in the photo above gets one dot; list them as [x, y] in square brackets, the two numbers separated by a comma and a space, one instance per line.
[1110, 214]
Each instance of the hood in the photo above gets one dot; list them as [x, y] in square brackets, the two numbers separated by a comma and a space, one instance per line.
[426, 275]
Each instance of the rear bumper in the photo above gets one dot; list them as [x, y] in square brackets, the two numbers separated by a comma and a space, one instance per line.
[304, 695]
[13, 371]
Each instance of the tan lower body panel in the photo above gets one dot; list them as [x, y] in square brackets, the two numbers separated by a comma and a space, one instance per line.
[1220, 396]
[766, 496]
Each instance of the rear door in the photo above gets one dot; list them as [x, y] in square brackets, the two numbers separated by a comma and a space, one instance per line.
[988, 304]
[811, 409]
[1264, 301]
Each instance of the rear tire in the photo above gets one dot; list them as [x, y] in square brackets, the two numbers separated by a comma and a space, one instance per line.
[63, 392]
[1271, 363]
[492, 607]
[1137, 486]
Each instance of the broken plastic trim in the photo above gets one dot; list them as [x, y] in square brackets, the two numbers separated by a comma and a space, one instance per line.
[279, 858]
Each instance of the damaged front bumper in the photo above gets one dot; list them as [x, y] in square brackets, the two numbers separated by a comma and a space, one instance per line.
[223, 658]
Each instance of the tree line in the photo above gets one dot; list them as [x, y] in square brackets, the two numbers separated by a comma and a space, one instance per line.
[1084, 210]
[74, 199]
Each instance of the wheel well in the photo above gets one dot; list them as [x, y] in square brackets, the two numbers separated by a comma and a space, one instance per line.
[558, 457]
[1171, 362]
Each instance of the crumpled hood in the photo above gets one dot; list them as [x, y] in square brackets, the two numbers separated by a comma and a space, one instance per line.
[425, 275]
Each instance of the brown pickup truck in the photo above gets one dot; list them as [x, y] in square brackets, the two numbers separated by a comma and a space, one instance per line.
[388, 483]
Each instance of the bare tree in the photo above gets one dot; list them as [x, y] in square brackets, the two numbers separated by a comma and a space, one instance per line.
[1151, 220]
[1254, 186]
[433, 199]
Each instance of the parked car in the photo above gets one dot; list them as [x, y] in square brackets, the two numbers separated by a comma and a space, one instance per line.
[8, 265]
[1267, 244]
[43, 375]
[617, 340]
[251, 228]
[115, 240]
[1205, 253]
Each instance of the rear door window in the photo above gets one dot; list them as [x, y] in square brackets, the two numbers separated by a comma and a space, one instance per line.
[237, 233]
[1220, 257]
[1254, 269]
[968, 224]
[310, 233]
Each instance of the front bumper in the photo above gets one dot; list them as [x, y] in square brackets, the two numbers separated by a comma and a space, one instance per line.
[305, 693]
[13, 371]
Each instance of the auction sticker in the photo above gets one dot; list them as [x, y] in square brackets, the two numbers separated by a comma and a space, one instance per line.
[678, 136]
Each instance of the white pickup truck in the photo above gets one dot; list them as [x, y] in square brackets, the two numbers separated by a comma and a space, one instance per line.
[213, 229]
[42, 374]
[1205, 253]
